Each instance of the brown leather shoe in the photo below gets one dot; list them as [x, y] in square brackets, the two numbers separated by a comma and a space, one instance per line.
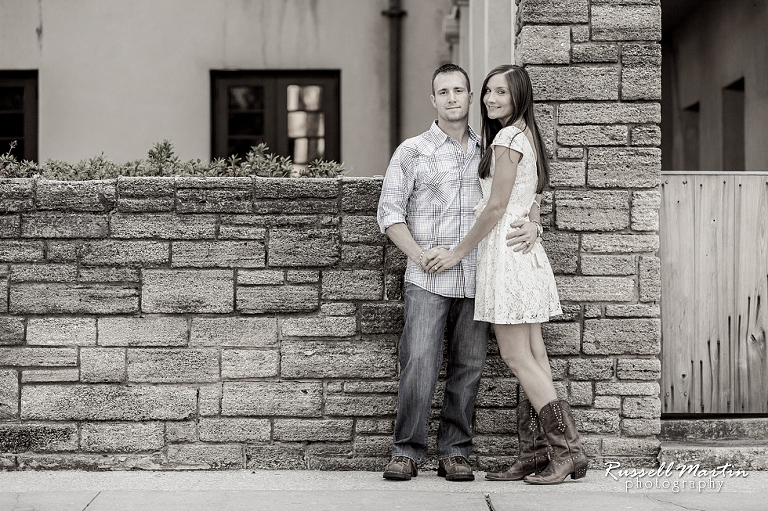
[401, 468]
[532, 442]
[455, 468]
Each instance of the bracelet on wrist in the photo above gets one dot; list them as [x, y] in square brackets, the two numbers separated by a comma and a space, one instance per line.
[539, 227]
[421, 259]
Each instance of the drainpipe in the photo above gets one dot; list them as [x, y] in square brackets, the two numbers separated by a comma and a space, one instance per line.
[395, 14]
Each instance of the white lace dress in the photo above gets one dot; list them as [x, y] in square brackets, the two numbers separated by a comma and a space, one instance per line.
[513, 287]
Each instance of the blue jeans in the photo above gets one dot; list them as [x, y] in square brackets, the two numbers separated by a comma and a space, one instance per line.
[421, 355]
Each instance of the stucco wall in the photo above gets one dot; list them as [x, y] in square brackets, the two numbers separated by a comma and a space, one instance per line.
[116, 77]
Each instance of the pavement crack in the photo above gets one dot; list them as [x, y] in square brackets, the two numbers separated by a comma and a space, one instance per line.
[91, 502]
[488, 501]
[674, 504]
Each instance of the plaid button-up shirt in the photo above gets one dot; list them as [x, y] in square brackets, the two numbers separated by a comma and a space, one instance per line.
[432, 186]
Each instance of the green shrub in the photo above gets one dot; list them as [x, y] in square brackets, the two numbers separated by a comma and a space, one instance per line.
[161, 161]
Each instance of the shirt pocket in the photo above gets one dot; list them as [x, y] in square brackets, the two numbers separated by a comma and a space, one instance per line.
[440, 182]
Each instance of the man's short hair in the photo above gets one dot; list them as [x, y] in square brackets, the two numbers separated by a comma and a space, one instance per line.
[449, 68]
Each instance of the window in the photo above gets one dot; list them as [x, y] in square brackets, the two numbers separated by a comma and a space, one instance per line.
[733, 126]
[690, 120]
[296, 113]
[18, 113]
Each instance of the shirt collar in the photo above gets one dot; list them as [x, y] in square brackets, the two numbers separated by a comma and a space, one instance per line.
[441, 136]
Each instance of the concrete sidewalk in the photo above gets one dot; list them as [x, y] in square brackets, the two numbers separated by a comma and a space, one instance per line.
[364, 491]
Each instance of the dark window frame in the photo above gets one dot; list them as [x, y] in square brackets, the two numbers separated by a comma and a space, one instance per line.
[275, 94]
[28, 79]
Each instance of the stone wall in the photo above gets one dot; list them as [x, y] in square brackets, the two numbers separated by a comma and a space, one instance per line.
[596, 72]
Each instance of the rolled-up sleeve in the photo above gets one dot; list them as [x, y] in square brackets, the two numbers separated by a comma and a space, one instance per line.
[396, 189]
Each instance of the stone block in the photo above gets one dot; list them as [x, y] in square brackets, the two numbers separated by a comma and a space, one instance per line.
[365, 405]
[260, 277]
[145, 194]
[276, 456]
[609, 113]
[122, 437]
[338, 326]
[218, 254]
[91, 462]
[613, 402]
[639, 369]
[301, 247]
[545, 119]
[9, 393]
[601, 421]
[233, 332]
[179, 365]
[310, 430]
[620, 243]
[495, 421]
[562, 338]
[109, 275]
[641, 427]
[184, 431]
[235, 430]
[545, 44]
[630, 446]
[645, 136]
[370, 445]
[269, 207]
[107, 402]
[641, 83]
[574, 83]
[624, 167]
[591, 53]
[592, 135]
[163, 226]
[17, 194]
[360, 195]
[650, 279]
[375, 426]
[580, 393]
[15, 438]
[17, 251]
[608, 265]
[55, 298]
[626, 389]
[49, 375]
[592, 210]
[633, 55]
[580, 33]
[592, 310]
[567, 153]
[555, 11]
[352, 285]
[302, 276]
[370, 387]
[642, 408]
[62, 251]
[381, 318]
[42, 357]
[124, 253]
[76, 195]
[590, 369]
[185, 291]
[362, 256]
[10, 226]
[64, 225]
[43, 272]
[11, 331]
[242, 232]
[205, 456]
[497, 392]
[361, 229]
[595, 289]
[562, 250]
[639, 310]
[265, 299]
[567, 173]
[143, 331]
[622, 336]
[102, 365]
[338, 359]
[272, 188]
[645, 210]
[214, 194]
[238, 363]
[210, 399]
[626, 22]
[272, 398]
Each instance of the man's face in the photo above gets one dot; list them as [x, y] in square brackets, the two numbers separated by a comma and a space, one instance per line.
[451, 97]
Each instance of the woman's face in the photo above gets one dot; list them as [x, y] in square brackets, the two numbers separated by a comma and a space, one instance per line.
[497, 98]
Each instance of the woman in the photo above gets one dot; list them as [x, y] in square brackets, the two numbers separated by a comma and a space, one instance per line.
[516, 289]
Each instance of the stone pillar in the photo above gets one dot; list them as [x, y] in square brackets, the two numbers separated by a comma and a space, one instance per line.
[596, 72]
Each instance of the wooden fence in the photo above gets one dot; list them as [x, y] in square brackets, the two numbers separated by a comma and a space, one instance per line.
[714, 262]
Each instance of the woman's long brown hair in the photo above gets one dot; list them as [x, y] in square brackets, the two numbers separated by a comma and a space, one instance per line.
[521, 91]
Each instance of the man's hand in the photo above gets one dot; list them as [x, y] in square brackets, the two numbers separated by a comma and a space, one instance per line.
[430, 254]
[523, 234]
[445, 259]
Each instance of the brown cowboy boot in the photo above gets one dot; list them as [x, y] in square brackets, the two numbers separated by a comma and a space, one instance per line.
[568, 456]
[532, 443]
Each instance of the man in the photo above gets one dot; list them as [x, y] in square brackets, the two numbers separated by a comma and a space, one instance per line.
[427, 200]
